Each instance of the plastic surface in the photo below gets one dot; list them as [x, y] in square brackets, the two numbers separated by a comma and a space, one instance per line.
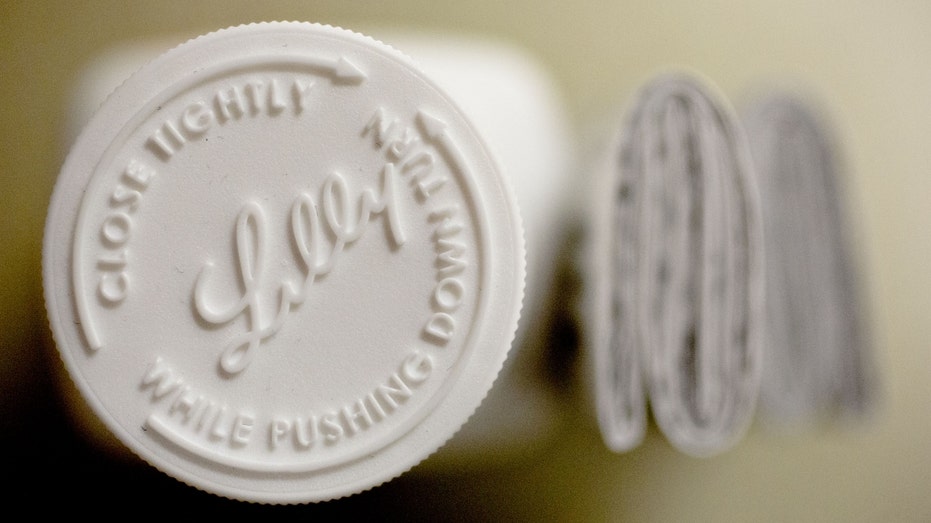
[281, 265]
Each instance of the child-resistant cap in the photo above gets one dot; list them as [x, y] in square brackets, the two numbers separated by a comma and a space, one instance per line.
[281, 265]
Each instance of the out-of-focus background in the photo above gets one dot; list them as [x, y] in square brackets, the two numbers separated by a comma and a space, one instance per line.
[869, 63]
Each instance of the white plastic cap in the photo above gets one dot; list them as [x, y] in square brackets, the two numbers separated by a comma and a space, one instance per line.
[281, 265]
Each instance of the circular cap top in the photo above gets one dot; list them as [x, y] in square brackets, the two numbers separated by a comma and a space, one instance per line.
[280, 265]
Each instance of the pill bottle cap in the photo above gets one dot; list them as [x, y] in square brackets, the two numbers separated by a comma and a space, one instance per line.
[281, 265]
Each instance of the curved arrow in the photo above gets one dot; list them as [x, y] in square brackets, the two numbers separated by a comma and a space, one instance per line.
[437, 131]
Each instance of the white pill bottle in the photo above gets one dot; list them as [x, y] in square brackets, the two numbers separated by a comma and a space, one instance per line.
[285, 262]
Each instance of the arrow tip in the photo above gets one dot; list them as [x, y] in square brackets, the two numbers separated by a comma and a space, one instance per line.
[347, 71]
[431, 125]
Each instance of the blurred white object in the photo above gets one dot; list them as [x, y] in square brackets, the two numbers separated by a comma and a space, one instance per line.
[674, 279]
[817, 362]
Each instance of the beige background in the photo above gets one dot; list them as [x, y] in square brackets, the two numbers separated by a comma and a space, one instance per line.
[869, 62]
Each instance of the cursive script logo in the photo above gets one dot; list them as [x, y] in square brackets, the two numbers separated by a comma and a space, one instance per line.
[319, 240]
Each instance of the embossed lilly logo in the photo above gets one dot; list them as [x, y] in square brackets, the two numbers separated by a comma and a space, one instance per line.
[320, 230]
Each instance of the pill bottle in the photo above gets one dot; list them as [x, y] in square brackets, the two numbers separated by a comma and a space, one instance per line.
[285, 262]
